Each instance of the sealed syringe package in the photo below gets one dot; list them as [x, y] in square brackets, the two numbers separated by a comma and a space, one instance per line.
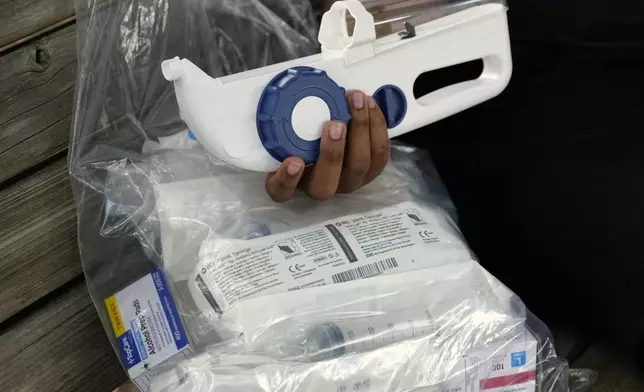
[203, 283]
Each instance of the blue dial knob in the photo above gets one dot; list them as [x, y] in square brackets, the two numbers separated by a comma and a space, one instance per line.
[393, 103]
[275, 117]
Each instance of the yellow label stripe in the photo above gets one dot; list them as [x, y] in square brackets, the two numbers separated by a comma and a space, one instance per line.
[115, 315]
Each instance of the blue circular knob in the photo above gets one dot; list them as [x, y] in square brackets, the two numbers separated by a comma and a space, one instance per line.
[393, 103]
[276, 105]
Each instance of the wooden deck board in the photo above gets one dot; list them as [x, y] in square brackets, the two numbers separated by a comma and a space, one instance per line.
[39, 322]
[36, 101]
[23, 18]
[50, 333]
[37, 237]
[59, 346]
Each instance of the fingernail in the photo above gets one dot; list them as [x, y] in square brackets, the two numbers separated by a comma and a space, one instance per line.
[293, 168]
[371, 102]
[336, 131]
[358, 100]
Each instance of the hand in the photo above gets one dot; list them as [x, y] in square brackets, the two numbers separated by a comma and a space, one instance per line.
[347, 161]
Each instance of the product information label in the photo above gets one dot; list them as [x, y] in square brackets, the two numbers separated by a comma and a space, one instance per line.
[495, 369]
[395, 239]
[146, 323]
[503, 368]
[492, 368]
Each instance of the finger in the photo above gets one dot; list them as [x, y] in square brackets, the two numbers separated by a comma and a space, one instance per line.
[380, 144]
[322, 181]
[281, 185]
[357, 159]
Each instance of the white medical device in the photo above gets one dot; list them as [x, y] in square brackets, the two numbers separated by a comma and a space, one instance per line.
[255, 119]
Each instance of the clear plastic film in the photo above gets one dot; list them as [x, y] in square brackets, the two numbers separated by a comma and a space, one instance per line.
[462, 331]
[327, 322]
[222, 247]
[413, 365]
[127, 127]
[203, 283]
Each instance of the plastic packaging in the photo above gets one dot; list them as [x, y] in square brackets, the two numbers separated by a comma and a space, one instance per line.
[458, 303]
[445, 328]
[405, 366]
[216, 245]
[159, 219]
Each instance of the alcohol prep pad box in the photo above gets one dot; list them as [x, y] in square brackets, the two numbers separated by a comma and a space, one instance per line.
[147, 325]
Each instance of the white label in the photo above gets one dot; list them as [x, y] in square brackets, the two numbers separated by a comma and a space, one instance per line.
[395, 239]
[504, 367]
[439, 373]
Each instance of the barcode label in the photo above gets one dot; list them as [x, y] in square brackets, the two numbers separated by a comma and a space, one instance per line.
[366, 271]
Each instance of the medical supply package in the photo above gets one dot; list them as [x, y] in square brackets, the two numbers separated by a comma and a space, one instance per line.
[203, 283]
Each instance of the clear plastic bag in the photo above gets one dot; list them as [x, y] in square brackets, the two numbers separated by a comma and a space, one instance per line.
[407, 366]
[126, 114]
[158, 215]
[227, 215]
[445, 328]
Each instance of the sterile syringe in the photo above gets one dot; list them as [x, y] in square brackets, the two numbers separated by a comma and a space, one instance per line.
[354, 333]
[334, 320]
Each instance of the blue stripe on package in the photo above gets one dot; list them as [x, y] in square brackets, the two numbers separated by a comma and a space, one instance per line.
[147, 324]
[139, 340]
[171, 314]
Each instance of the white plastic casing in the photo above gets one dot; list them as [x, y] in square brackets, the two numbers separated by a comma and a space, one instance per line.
[222, 112]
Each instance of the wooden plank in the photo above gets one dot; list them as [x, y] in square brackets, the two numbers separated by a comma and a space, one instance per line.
[59, 346]
[22, 18]
[36, 95]
[37, 237]
[34, 324]
[617, 372]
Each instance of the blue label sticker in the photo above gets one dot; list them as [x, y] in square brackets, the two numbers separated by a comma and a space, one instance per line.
[518, 359]
[129, 352]
[139, 340]
[170, 310]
